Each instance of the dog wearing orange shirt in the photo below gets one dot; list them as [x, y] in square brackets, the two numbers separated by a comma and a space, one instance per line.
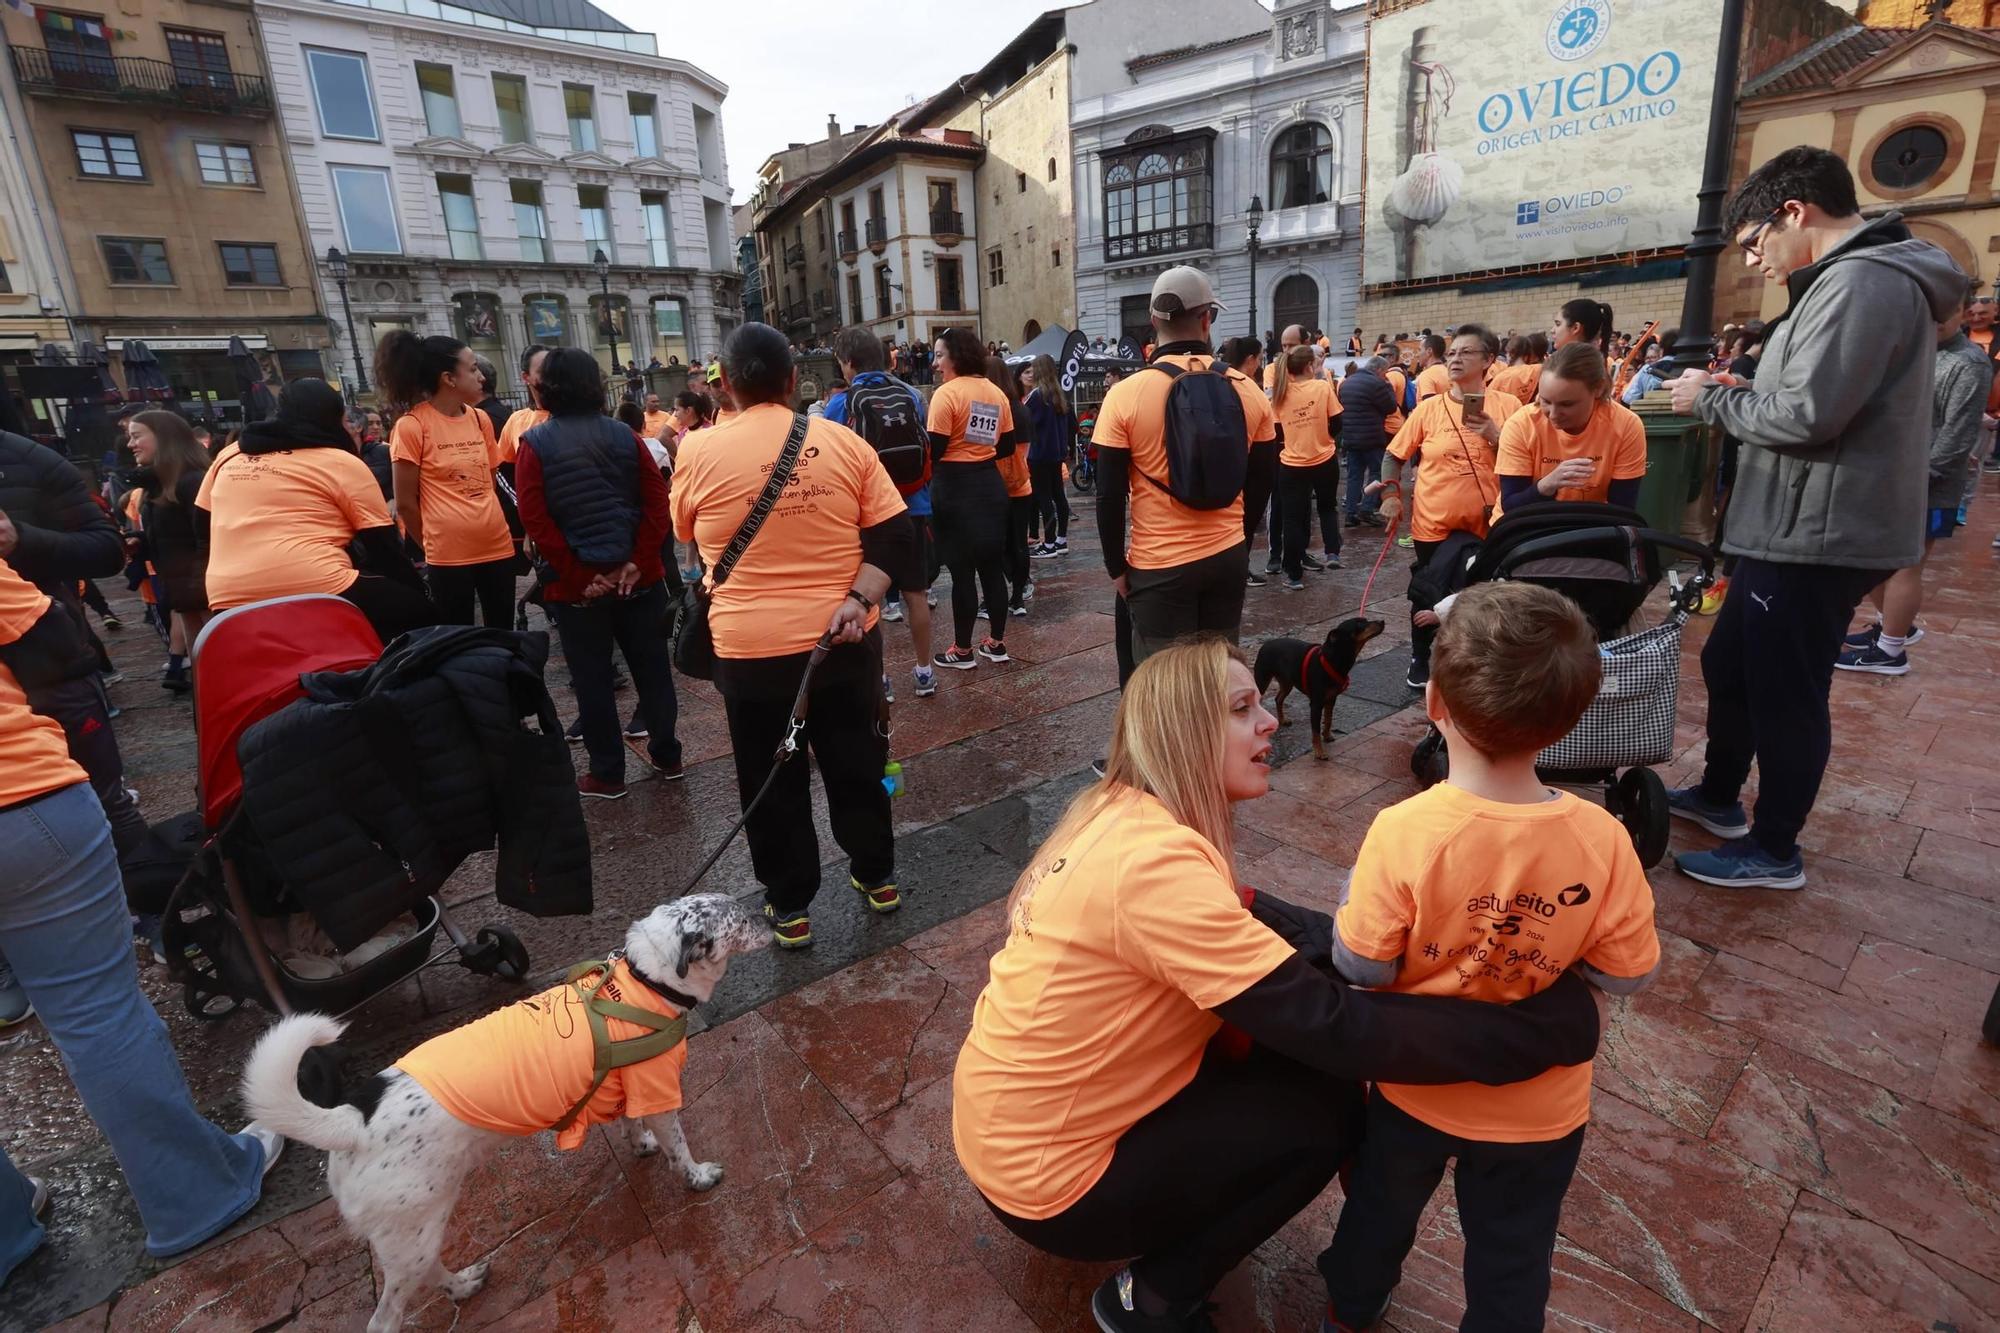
[400, 1143]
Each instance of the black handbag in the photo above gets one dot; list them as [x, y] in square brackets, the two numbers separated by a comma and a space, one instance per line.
[694, 648]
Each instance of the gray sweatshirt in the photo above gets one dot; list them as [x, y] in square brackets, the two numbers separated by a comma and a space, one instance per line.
[1836, 430]
[1964, 374]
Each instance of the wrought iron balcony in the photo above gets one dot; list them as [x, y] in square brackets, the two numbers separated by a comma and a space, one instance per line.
[878, 234]
[1166, 241]
[946, 225]
[128, 79]
[795, 256]
[849, 246]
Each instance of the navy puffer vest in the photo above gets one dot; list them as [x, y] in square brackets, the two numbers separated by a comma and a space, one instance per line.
[590, 482]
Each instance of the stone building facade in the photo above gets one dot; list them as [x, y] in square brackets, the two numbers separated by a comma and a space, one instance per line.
[1172, 151]
[1916, 113]
[150, 194]
[471, 174]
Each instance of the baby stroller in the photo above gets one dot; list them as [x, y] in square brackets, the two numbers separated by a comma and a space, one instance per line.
[248, 663]
[1606, 560]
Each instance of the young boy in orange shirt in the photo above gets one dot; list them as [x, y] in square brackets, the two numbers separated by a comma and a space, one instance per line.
[1486, 887]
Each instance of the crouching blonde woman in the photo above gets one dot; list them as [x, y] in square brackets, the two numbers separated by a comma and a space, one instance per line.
[1089, 1105]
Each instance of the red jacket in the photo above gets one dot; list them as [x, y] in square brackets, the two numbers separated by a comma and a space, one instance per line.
[572, 576]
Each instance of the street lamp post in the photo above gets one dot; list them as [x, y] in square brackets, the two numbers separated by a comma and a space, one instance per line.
[1256, 220]
[1693, 350]
[603, 267]
[336, 264]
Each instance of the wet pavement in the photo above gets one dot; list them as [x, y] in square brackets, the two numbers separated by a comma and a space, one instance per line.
[1796, 1128]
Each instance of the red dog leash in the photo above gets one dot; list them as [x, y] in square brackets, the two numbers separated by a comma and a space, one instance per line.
[1388, 541]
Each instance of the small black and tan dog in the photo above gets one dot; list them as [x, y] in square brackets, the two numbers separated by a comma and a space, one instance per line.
[1317, 670]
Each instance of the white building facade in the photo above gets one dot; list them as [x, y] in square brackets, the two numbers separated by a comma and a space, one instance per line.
[470, 173]
[903, 208]
[1174, 151]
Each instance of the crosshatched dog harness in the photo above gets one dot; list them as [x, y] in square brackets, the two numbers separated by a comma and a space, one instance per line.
[590, 978]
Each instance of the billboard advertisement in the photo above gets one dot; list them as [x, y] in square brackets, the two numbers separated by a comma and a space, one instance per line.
[1533, 131]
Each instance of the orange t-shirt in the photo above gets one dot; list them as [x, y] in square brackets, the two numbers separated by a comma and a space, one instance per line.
[1014, 468]
[973, 413]
[1482, 900]
[1432, 381]
[279, 523]
[1308, 403]
[1454, 485]
[34, 753]
[1133, 417]
[1530, 445]
[1522, 381]
[519, 1069]
[1097, 1008]
[518, 424]
[783, 591]
[656, 425]
[463, 524]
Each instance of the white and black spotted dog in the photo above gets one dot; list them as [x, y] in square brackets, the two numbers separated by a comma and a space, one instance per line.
[397, 1158]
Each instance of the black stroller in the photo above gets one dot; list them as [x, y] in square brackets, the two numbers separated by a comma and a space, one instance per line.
[1606, 560]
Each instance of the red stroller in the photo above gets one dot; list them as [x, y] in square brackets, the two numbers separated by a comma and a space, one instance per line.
[248, 663]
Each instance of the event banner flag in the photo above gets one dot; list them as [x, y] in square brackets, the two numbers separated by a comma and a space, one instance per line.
[1533, 131]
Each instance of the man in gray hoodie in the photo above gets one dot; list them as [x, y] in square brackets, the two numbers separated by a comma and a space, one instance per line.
[1830, 492]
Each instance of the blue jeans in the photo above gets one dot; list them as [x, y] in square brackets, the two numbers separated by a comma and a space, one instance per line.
[65, 928]
[1363, 466]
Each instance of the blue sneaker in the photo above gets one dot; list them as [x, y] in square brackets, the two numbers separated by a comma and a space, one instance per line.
[14, 1004]
[1741, 863]
[1724, 821]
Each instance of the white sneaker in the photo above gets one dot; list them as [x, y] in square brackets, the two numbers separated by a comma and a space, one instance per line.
[271, 1140]
[892, 611]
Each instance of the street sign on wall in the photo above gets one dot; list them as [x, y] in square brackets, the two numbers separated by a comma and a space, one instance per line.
[1532, 131]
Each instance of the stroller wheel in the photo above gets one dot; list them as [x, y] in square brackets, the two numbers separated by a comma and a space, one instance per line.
[497, 952]
[1641, 805]
[1991, 1029]
[207, 1005]
[1430, 763]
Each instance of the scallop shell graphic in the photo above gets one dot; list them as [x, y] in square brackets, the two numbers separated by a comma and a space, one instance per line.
[1424, 192]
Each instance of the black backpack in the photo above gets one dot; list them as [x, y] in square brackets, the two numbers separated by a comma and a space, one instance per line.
[887, 416]
[1207, 438]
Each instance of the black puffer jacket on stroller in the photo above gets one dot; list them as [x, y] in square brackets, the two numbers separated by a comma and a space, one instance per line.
[365, 795]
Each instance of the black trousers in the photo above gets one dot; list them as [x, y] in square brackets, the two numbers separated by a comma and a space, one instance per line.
[93, 597]
[1020, 522]
[1509, 1202]
[1300, 490]
[1421, 639]
[455, 588]
[1209, 1176]
[1204, 596]
[1768, 665]
[969, 517]
[392, 608]
[638, 626]
[1051, 504]
[1121, 637]
[846, 742]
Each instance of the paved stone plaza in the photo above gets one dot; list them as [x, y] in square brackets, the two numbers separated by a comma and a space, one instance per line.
[1796, 1128]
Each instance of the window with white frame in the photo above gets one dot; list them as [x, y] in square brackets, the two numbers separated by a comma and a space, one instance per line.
[645, 109]
[1302, 166]
[659, 230]
[225, 163]
[440, 97]
[510, 101]
[580, 106]
[367, 210]
[461, 216]
[593, 202]
[530, 223]
[343, 94]
[103, 156]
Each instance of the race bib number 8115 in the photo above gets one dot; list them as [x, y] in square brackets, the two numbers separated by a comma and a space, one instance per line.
[982, 423]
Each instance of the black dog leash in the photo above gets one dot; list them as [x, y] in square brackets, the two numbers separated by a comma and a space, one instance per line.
[787, 747]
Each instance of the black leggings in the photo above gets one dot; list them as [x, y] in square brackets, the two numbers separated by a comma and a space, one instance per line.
[455, 588]
[1020, 520]
[1051, 504]
[969, 513]
[392, 608]
[1210, 1175]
